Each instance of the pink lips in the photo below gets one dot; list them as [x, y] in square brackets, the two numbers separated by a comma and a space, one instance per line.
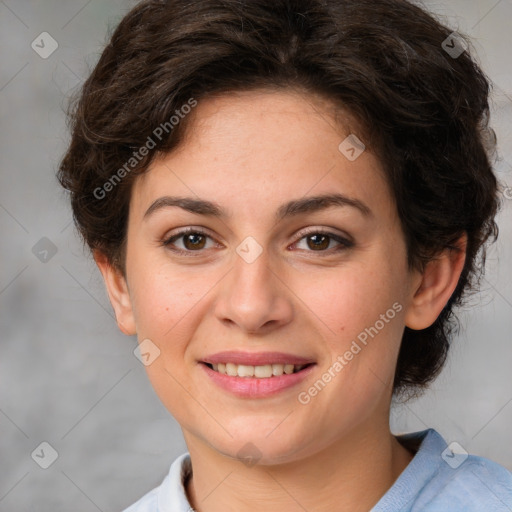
[252, 387]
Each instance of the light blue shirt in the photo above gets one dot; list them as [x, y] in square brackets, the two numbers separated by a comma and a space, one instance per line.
[436, 480]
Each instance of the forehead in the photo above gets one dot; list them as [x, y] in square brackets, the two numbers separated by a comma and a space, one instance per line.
[248, 150]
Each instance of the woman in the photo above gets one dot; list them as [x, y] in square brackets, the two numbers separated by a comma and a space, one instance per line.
[287, 200]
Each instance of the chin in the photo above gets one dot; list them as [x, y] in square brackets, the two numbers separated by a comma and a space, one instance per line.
[257, 447]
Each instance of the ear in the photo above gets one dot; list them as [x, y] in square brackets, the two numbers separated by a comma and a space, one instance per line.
[118, 293]
[435, 285]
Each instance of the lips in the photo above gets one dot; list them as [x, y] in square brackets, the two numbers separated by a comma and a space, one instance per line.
[256, 375]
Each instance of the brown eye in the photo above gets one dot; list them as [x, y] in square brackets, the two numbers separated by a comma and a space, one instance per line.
[319, 241]
[192, 239]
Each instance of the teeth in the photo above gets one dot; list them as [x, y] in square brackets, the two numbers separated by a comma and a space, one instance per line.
[245, 371]
[264, 371]
[288, 368]
[260, 372]
[277, 369]
[231, 369]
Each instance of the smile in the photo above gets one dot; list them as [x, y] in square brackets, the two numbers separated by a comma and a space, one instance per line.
[259, 381]
[260, 372]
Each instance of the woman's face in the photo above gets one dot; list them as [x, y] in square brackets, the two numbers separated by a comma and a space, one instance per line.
[262, 278]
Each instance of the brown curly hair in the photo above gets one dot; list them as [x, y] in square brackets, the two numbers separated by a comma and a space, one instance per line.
[423, 112]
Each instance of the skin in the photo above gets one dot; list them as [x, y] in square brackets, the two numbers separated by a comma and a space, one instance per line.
[250, 153]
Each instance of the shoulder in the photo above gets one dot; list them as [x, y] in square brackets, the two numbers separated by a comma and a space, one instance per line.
[477, 484]
[444, 477]
[460, 481]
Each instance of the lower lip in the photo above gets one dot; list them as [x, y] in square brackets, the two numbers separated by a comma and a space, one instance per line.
[251, 387]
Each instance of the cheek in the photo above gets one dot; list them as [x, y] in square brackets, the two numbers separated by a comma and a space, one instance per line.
[163, 297]
[361, 311]
[351, 299]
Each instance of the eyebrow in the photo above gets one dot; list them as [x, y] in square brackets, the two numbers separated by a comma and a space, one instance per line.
[292, 208]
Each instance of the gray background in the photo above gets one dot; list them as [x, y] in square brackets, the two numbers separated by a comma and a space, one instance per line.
[69, 377]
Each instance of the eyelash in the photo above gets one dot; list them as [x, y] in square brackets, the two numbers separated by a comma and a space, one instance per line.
[344, 243]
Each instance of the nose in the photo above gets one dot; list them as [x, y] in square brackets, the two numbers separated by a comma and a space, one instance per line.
[254, 296]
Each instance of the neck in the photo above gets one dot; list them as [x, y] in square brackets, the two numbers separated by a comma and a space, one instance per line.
[350, 474]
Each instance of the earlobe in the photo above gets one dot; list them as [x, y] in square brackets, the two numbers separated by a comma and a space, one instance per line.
[436, 285]
[118, 293]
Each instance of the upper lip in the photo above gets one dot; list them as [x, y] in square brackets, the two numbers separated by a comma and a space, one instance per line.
[256, 358]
